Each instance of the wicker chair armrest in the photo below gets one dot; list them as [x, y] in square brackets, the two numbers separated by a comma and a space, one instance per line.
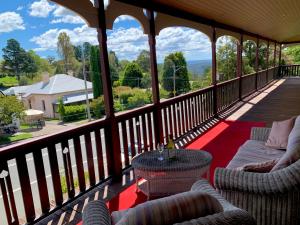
[204, 186]
[260, 133]
[96, 213]
[281, 181]
[233, 217]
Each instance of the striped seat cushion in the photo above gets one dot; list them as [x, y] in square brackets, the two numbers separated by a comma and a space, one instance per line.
[253, 151]
[169, 210]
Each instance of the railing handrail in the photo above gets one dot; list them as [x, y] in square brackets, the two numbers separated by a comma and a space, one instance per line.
[28, 146]
[167, 102]
[227, 81]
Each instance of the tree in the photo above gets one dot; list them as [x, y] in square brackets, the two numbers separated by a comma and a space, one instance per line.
[114, 66]
[42, 65]
[95, 72]
[143, 61]
[10, 108]
[227, 58]
[292, 54]
[132, 75]
[61, 108]
[17, 60]
[97, 106]
[175, 62]
[51, 59]
[65, 50]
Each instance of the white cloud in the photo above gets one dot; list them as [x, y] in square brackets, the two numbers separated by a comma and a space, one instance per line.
[123, 18]
[20, 8]
[48, 40]
[10, 21]
[64, 15]
[191, 42]
[41, 8]
[129, 42]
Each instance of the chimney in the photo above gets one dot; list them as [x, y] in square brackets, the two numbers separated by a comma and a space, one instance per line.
[45, 77]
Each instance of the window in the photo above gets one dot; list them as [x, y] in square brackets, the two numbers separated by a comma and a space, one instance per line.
[43, 104]
[29, 103]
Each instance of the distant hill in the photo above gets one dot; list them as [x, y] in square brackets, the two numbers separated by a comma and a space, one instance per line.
[197, 67]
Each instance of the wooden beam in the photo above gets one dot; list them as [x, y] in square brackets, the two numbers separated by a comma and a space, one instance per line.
[111, 131]
[172, 11]
[154, 78]
[240, 64]
[267, 72]
[256, 63]
[214, 70]
[279, 57]
[275, 48]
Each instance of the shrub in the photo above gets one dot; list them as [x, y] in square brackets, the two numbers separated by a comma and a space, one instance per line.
[74, 112]
[163, 93]
[139, 99]
[97, 106]
[132, 75]
[61, 108]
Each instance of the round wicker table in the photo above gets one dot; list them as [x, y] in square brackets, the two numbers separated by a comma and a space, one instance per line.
[157, 178]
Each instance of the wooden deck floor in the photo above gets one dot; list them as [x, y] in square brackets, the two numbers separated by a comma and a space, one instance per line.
[278, 102]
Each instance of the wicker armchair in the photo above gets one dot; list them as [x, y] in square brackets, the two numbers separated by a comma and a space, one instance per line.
[96, 212]
[271, 198]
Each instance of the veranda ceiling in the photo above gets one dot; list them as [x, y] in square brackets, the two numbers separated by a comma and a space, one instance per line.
[275, 19]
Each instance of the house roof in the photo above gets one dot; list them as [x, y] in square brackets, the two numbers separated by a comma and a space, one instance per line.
[59, 83]
[76, 97]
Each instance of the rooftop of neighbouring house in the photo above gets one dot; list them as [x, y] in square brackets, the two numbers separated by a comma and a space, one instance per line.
[59, 83]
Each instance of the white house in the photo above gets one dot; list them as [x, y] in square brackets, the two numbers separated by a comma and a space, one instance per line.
[45, 94]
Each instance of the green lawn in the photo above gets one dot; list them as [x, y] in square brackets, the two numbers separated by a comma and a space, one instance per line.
[6, 139]
[8, 81]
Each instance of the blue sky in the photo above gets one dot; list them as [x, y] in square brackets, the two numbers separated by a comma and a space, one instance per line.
[37, 23]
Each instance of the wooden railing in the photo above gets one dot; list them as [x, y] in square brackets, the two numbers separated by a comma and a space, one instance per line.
[227, 93]
[248, 84]
[183, 113]
[42, 175]
[289, 71]
[51, 171]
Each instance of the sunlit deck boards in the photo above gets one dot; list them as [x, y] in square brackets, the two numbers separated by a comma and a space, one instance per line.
[278, 102]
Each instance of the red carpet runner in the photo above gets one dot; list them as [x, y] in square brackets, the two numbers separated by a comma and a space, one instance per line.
[222, 141]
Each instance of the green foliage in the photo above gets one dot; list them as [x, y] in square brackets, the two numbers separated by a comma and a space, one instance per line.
[163, 94]
[146, 81]
[10, 107]
[61, 108]
[139, 98]
[17, 60]
[227, 58]
[74, 113]
[249, 50]
[175, 62]
[129, 98]
[143, 61]
[65, 50]
[95, 72]
[43, 65]
[292, 54]
[8, 81]
[97, 106]
[7, 139]
[23, 81]
[132, 75]
[64, 186]
[204, 81]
